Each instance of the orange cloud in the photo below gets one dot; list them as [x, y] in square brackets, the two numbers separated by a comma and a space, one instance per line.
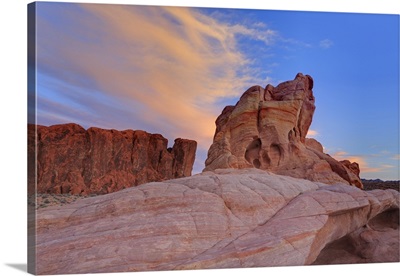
[361, 160]
[171, 64]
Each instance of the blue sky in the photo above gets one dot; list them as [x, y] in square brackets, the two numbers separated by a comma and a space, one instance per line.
[172, 70]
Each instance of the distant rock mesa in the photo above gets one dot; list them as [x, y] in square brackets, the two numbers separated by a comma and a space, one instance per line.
[267, 130]
[73, 160]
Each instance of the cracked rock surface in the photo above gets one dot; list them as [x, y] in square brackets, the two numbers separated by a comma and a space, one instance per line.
[227, 218]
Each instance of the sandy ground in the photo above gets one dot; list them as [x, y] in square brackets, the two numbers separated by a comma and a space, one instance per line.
[46, 200]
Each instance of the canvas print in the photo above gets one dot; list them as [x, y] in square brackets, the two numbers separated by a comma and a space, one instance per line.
[177, 138]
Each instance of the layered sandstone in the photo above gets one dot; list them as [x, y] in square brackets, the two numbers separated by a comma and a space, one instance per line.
[267, 129]
[73, 160]
[222, 219]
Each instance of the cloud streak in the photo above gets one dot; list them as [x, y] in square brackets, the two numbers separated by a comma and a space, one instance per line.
[312, 133]
[362, 161]
[171, 65]
[326, 43]
[396, 157]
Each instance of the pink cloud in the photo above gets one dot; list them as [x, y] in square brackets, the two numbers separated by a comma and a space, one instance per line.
[174, 63]
[362, 162]
[312, 133]
[396, 157]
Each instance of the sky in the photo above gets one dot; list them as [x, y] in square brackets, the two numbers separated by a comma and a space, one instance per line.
[172, 70]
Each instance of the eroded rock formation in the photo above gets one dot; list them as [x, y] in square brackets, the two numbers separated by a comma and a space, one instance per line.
[221, 219]
[73, 160]
[267, 129]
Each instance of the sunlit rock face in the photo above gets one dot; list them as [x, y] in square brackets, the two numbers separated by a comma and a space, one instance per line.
[267, 130]
[70, 159]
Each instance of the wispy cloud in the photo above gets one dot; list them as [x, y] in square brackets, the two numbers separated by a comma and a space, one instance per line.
[171, 65]
[312, 133]
[259, 33]
[386, 166]
[326, 43]
[396, 157]
[291, 44]
[362, 161]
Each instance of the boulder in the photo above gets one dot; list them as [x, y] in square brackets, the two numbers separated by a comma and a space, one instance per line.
[267, 129]
[227, 218]
[73, 160]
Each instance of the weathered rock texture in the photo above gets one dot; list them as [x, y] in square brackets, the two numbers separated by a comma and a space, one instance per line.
[73, 160]
[267, 129]
[222, 219]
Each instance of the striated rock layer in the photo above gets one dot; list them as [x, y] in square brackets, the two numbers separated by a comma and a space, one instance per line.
[222, 219]
[267, 129]
[73, 160]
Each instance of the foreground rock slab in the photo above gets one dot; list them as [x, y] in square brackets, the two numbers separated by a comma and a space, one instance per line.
[223, 219]
[73, 160]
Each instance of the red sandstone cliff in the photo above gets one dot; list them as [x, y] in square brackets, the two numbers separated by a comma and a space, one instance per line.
[73, 160]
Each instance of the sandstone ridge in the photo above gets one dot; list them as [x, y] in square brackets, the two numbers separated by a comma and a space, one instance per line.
[73, 160]
[222, 219]
[267, 129]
